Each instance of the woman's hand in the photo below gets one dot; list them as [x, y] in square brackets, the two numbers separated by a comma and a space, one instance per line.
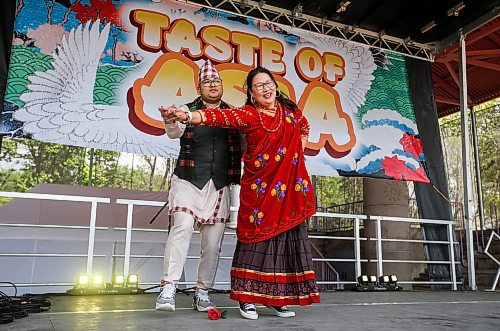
[172, 114]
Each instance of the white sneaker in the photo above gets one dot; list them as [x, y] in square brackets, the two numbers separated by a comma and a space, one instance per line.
[281, 311]
[248, 310]
[166, 299]
[201, 301]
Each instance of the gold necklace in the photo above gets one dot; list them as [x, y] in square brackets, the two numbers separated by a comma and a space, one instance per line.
[279, 114]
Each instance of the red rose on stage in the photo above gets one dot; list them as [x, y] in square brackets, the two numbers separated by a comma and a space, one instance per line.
[214, 314]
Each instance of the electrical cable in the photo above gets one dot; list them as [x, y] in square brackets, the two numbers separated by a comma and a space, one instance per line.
[13, 285]
[15, 307]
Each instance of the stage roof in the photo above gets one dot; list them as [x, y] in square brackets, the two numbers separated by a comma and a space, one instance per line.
[483, 70]
[422, 29]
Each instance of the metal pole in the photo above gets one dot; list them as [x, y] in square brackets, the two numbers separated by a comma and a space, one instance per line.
[235, 205]
[128, 240]
[357, 248]
[467, 176]
[314, 185]
[479, 186]
[91, 166]
[113, 261]
[452, 257]
[380, 267]
[90, 252]
[132, 171]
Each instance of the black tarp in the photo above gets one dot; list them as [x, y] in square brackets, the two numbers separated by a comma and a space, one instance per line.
[7, 10]
[430, 203]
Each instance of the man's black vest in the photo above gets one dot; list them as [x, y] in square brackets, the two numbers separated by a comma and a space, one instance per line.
[209, 153]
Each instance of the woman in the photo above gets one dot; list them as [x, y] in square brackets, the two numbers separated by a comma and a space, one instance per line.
[272, 263]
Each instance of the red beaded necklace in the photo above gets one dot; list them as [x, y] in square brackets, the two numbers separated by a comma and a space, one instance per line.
[278, 113]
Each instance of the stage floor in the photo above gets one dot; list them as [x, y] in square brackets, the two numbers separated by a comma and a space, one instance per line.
[437, 310]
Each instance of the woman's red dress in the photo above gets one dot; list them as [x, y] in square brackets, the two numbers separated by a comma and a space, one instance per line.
[276, 192]
[275, 197]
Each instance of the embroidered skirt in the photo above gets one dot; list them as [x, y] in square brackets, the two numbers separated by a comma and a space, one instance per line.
[275, 272]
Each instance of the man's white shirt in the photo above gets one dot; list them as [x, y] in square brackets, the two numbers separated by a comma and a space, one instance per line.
[176, 130]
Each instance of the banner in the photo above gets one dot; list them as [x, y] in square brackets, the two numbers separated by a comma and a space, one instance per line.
[92, 73]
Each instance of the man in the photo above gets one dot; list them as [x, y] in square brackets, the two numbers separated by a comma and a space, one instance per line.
[209, 161]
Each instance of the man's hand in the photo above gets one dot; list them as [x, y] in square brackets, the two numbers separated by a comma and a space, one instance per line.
[173, 113]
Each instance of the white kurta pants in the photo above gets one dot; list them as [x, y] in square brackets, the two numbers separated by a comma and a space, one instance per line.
[177, 247]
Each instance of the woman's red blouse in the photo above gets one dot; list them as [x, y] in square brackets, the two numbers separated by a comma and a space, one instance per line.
[276, 193]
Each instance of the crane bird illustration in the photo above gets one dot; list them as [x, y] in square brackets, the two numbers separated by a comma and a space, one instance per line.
[59, 105]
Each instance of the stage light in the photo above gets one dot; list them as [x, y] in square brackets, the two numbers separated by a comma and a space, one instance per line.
[389, 283]
[98, 281]
[82, 281]
[118, 281]
[428, 26]
[409, 42]
[366, 283]
[132, 280]
[86, 285]
[363, 279]
[342, 6]
[455, 10]
[297, 10]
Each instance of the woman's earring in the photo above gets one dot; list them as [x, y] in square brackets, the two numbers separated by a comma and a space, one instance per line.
[278, 93]
[253, 100]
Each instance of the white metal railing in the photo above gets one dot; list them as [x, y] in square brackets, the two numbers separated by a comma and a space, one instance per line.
[449, 242]
[357, 241]
[128, 236]
[379, 248]
[60, 197]
[356, 238]
[497, 276]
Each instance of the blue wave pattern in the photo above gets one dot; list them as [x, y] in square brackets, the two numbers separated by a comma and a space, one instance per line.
[384, 121]
[390, 90]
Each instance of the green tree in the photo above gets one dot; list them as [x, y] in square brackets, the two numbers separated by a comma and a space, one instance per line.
[338, 193]
[26, 163]
[488, 131]
[488, 135]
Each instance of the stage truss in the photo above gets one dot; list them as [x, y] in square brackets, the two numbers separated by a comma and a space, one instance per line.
[262, 11]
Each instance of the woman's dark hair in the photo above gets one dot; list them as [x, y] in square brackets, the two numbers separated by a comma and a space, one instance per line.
[282, 97]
